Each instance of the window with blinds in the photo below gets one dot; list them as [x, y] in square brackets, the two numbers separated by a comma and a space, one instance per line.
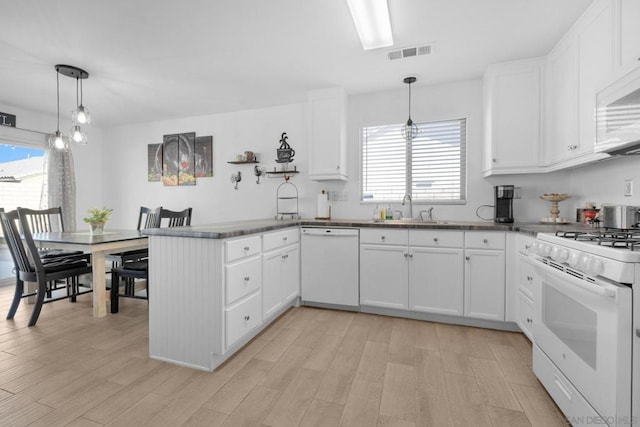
[431, 167]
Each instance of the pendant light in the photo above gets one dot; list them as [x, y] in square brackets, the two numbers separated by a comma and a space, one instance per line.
[77, 135]
[410, 129]
[79, 116]
[57, 140]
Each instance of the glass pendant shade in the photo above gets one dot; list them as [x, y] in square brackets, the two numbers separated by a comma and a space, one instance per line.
[81, 115]
[78, 136]
[58, 141]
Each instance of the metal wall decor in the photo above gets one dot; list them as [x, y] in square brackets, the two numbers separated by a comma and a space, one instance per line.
[285, 153]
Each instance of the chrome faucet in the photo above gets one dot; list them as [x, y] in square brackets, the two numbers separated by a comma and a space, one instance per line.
[430, 212]
[404, 199]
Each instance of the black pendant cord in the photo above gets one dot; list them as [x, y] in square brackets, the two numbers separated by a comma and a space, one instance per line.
[80, 93]
[410, 121]
[77, 80]
[58, 96]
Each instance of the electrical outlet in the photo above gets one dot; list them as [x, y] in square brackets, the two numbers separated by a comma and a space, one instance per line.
[628, 187]
[517, 193]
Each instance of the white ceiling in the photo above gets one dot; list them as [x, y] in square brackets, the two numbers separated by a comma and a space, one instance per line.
[158, 59]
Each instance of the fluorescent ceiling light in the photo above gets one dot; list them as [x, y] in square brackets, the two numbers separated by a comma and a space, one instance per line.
[372, 22]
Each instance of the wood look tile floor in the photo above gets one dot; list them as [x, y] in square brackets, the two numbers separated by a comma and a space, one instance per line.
[311, 367]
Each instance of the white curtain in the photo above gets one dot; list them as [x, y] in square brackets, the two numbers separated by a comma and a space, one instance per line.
[60, 185]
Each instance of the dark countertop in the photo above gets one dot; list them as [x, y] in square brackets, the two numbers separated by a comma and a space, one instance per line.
[242, 228]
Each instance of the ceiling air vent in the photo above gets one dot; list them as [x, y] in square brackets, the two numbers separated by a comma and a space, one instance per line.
[408, 52]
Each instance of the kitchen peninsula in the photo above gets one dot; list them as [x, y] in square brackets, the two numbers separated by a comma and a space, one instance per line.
[208, 282]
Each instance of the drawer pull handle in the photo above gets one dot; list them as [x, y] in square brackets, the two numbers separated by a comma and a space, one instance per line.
[246, 278]
[284, 239]
[247, 317]
[527, 247]
[285, 256]
[435, 239]
[638, 333]
[467, 257]
[410, 255]
[406, 255]
[485, 241]
[529, 278]
[562, 387]
[383, 237]
[246, 248]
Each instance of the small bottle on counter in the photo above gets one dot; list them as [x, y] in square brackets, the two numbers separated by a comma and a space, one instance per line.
[389, 213]
[376, 212]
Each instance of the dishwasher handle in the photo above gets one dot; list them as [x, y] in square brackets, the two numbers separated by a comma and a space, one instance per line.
[330, 232]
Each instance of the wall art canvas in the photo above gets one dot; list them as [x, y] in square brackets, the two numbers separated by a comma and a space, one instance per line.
[178, 159]
[204, 156]
[154, 165]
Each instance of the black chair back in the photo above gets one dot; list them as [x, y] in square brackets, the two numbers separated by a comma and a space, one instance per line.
[149, 218]
[24, 252]
[43, 220]
[175, 218]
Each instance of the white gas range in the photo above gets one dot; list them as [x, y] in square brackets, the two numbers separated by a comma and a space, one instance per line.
[587, 324]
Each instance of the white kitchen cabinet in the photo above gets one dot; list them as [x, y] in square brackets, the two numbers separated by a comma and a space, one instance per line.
[384, 276]
[524, 284]
[561, 72]
[627, 16]
[525, 315]
[328, 134]
[595, 52]
[484, 275]
[280, 270]
[436, 280]
[512, 96]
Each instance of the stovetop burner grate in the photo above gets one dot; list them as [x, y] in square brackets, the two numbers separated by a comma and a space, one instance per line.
[614, 238]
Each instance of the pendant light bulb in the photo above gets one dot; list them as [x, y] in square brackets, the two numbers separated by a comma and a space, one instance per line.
[409, 130]
[78, 136]
[81, 115]
[58, 141]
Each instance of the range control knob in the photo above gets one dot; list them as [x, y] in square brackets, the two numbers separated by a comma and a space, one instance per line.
[563, 255]
[574, 259]
[595, 267]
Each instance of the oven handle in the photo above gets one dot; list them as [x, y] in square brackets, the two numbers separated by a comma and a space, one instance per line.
[589, 287]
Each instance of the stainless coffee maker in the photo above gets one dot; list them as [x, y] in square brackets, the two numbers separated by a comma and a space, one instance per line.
[503, 212]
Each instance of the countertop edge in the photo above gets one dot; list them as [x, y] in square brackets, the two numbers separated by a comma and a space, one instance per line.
[243, 228]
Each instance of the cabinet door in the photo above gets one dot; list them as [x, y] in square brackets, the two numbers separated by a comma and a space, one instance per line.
[629, 16]
[327, 134]
[484, 284]
[525, 315]
[436, 280]
[595, 65]
[384, 276]
[512, 97]
[291, 273]
[271, 282]
[562, 96]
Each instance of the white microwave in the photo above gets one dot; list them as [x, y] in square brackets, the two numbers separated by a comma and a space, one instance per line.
[618, 115]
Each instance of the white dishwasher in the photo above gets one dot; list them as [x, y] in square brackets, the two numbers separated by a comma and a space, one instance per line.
[330, 266]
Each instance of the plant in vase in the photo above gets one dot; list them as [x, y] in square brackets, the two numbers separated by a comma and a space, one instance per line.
[96, 219]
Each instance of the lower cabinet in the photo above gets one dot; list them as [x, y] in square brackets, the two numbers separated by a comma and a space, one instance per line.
[384, 276]
[484, 284]
[436, 280]
[525, 315]
[280, 278]
[242, 318]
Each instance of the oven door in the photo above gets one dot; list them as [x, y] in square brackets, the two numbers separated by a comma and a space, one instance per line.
[584, 327]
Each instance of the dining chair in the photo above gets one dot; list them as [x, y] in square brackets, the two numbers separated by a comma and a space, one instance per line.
[147, 218]
[31, 268]
[48, 220]
[129, 271]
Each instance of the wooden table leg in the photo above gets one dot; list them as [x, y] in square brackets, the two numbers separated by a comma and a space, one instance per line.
[99, 284]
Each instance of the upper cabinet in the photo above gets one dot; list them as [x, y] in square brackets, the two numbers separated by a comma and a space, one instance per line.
[627, 34]
[605, 37]
[328, 134]
[512, 125]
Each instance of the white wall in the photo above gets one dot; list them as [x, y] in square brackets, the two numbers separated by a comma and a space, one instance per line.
[87, 159]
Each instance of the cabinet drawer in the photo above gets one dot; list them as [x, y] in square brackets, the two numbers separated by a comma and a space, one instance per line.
[243, 318]
[280, 238]
[526, 271]
[240, 248]
[436, 238]
[242, 278]
[524, 242]
[484, 239]
[566, 396]
[384, 236]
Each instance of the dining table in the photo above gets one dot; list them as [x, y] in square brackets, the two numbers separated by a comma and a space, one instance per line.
[99, 246]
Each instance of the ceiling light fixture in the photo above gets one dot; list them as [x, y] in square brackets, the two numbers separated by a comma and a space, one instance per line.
[410, 129]
[371, 18]
[79, 116]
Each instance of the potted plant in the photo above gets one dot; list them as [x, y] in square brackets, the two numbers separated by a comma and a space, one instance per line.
[96, 219]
